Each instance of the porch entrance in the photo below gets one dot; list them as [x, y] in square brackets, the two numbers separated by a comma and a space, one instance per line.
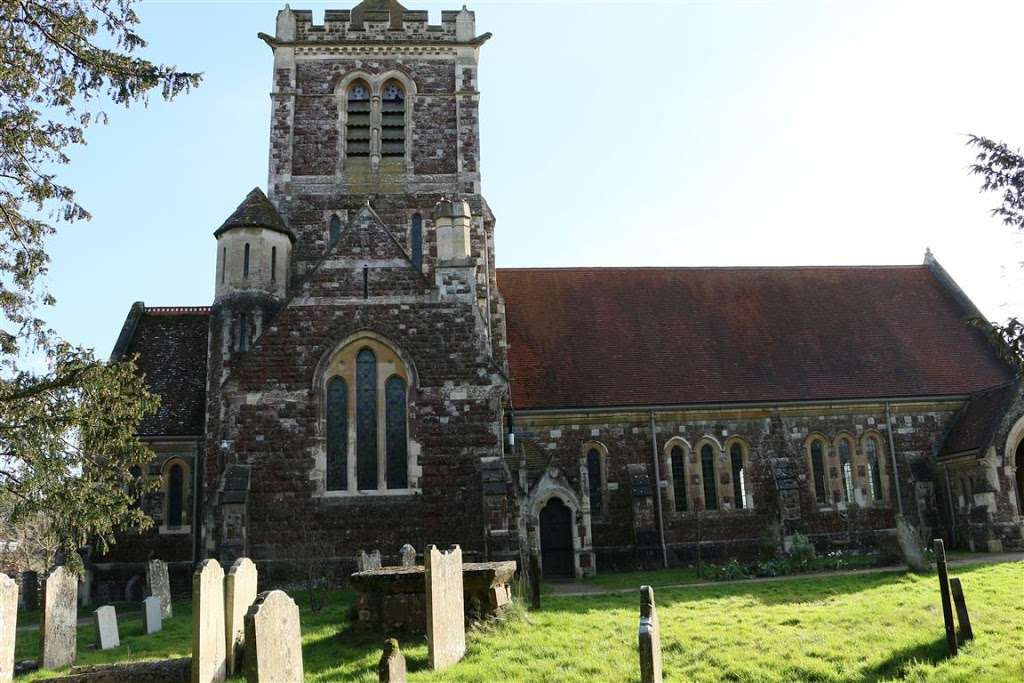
[556, 551]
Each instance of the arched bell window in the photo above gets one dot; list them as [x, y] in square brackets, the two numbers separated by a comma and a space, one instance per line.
[357, 120]
[366, 420]
[707, 464]
[392, 120]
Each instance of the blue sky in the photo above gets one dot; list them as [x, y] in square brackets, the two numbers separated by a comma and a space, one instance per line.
[613, 133]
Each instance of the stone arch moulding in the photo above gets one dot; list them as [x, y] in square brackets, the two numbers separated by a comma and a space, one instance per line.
[554, 485]
[328, 355]
[602, 453]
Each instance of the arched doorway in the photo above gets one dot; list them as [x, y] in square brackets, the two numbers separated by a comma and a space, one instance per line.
[1018, 460]
[556, 549]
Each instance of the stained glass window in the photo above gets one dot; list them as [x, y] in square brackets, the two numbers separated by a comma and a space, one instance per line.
[416, 240]
[175, 495]
[846, 466]
[818, 467]
[874, 473]
[366, 420]
[679, 478]
[739, 478]
[707, 461]
[394, 400]
[337, 435]
[595, 479]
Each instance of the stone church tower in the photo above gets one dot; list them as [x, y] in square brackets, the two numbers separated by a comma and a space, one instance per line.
[357, 372]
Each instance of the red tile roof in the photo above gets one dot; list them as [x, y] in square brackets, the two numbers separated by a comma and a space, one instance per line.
[600, 337]
[977, 422]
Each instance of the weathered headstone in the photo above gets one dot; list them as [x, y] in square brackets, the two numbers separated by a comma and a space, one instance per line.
[273, 640]
[367, 561]
[152, 619]
[446, 618]
[59, 620]
[966, 632]
[649, 638]
[947, 609]
[910, 545]
[8, 622]
[239, 594]
[408, 554]
[30, 590]
[391, 668]
[105, 621]
[159, 584]
[209, 664]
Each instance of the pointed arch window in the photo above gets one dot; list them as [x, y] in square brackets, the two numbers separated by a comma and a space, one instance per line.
[846, 469]
[357, 120]
[366, 420]
[392, 130]
[678, 463]
[871, 452]
[334, 229]
[395, 434]
[273, 264]
[175, 496]
[739, 475]
[337, 434]
[817, 449]
[707, 463]
[416, 240]
[595, 479]
[245, 262]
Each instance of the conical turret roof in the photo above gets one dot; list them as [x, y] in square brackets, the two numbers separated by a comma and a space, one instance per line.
[255, 211]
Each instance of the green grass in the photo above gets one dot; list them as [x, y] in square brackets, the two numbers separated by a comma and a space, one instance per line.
[869, 627]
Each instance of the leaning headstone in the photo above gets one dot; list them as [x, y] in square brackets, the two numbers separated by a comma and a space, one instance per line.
[208, 658]
[649, 638]
[273, 640]
[391, 668]
[408, 554]
[159, 584]
[910, 545]
[152, 619]
[446, 619]
[966, 632]
[8, 622]
[947, 609]
[30, 590]
[239, 594]
[366, 562]
[105, 620]
[59, 619]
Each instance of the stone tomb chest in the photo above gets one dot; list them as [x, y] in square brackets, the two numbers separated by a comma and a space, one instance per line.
[394, 598]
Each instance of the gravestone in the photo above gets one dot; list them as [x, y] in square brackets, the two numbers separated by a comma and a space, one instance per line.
[239, 594]
[367, 562]
[105, 621]
[947, 609]
[159, 584]
[966, 632]
[534, 577]
[910, 545]
[152, 619]
[208, 658]
[59, 619]
[391, 668]
[8, 622]
[273, 640]
[446, 618]
[649, 638]
[30, 590]
[408, 554]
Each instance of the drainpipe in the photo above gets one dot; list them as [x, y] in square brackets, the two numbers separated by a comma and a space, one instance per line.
[892, 453]
[657, 492]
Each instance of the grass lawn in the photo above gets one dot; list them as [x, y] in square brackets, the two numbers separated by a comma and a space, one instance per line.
[870, 627]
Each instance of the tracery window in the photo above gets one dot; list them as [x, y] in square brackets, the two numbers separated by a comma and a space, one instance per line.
[871, 452]
[846, 469]
[392, 123]
[707, 462]
[678, 463]
[357, 120]
[416, 241]
[739, 475]
[817, 448]
[595, 480]
[366, 413]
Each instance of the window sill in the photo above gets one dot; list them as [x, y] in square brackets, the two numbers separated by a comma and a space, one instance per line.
[375, 493]
[175, 530]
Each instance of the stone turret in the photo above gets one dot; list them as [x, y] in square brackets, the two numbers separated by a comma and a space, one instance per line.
[455, 269]
[254, 248]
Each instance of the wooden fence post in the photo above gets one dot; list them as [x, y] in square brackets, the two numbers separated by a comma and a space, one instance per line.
[947, 608]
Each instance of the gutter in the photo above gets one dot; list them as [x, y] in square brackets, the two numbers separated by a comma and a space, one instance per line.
[657, 492]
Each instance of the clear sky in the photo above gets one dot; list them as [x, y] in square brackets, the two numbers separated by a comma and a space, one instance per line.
[613, 133]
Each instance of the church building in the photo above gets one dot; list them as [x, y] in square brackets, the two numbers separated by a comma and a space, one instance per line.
[366, 377]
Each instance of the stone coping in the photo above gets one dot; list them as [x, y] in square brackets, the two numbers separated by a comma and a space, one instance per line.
[476, 576]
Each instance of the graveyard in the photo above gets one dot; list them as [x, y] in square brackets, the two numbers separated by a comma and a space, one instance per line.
[833, 627]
